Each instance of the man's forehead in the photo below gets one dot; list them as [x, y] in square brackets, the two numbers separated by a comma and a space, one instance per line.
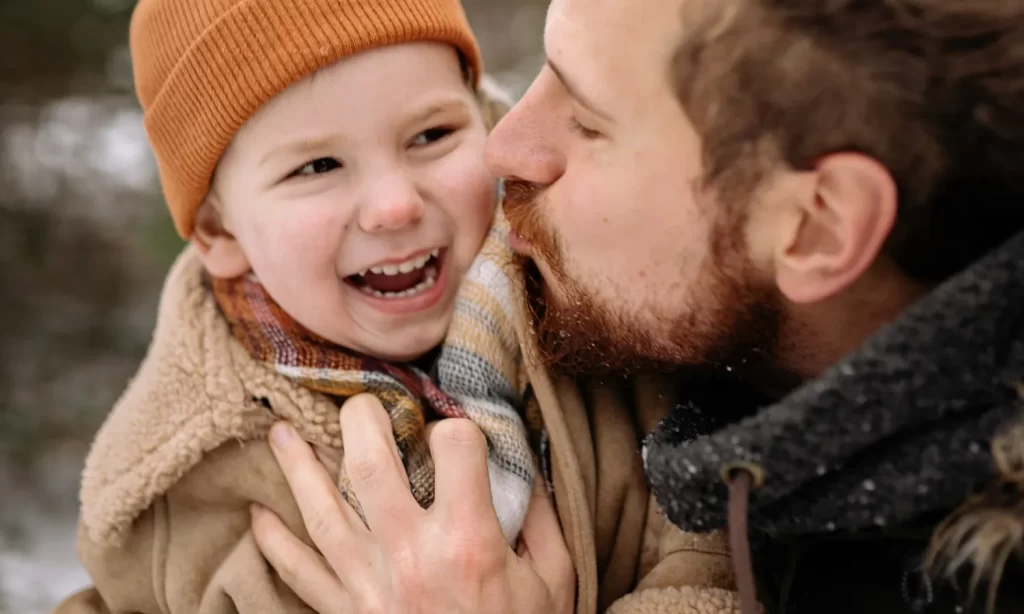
[614, 27]
[624, 18]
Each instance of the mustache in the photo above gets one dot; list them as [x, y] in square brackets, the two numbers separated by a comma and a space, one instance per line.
[524, 215]
[520, 193]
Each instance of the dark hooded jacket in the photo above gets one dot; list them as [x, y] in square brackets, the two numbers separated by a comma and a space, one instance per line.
[894, 482]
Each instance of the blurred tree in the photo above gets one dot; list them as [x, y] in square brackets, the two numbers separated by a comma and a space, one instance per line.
[62, 275]
[49, 48]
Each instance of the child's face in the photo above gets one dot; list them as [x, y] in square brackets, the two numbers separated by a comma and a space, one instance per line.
[375, 165]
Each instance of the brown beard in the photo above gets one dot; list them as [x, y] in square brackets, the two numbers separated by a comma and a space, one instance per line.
[733, 325]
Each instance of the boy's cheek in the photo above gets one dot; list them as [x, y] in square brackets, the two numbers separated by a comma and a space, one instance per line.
[474, 193]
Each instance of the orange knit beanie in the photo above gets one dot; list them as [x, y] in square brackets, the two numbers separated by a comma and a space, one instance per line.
[204, 67]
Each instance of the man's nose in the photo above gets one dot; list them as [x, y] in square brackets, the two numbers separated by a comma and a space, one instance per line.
[389, 204]
[524, 144]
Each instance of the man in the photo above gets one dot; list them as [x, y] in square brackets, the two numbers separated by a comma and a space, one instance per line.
[811, 213]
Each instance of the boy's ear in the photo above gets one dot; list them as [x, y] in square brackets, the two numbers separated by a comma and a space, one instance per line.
[220, 252]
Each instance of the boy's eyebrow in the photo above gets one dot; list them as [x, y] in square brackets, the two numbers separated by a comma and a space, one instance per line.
[299, 147]
[437, 107]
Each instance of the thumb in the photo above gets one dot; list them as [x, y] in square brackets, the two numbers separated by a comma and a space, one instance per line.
[542, 545]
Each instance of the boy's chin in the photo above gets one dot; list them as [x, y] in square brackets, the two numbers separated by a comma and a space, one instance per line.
[397, 345]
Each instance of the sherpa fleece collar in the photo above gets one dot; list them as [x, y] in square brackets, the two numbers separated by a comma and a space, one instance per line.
[196, 390]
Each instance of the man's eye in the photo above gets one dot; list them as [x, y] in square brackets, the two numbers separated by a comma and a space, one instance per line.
[582, 130]
[317, 167]
[431, 135]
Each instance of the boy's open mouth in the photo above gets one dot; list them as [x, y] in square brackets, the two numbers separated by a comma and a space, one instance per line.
[402, 279]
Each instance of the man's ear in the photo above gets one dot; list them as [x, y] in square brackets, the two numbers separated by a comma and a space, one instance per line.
[220, 252]
[840, 226]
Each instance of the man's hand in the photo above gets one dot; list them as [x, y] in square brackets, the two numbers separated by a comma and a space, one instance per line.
[451, 558]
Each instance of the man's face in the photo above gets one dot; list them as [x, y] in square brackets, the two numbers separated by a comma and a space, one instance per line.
[638, 264]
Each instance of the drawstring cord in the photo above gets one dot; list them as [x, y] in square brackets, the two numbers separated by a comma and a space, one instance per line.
[742, 479]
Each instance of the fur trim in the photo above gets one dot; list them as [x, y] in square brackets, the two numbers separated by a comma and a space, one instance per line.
[196, 390]
[679, 600]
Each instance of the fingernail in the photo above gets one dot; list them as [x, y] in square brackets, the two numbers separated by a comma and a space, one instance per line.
[281, 435]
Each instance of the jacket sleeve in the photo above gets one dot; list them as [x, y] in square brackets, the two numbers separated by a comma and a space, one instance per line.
[192, 551]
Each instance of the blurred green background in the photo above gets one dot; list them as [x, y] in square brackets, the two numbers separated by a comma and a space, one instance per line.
[84, 246]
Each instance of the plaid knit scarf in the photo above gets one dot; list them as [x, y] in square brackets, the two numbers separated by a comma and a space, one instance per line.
[476, 373]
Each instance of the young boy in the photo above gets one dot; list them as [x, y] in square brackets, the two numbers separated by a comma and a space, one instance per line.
[325, 160]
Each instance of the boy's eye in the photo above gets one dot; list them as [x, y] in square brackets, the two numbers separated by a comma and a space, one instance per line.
[317, 167]
[431, 135]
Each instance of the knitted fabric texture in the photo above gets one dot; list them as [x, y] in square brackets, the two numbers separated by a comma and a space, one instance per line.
[476, 374]
[202, 68]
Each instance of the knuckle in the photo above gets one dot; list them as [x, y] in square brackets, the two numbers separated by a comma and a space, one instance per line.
[468, 555]
[409, 569]
[323, 529]
[363, 469]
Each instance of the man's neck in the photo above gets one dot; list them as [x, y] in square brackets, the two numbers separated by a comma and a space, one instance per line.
[816, 336]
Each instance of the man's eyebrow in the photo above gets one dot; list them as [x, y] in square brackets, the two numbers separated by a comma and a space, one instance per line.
[574, 91]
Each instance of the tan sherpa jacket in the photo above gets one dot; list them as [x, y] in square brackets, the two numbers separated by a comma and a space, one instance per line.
[166, 489]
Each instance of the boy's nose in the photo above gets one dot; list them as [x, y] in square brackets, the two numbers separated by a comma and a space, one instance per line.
[392, 204]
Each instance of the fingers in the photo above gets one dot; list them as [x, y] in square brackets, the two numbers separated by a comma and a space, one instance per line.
[429, 428]
[301, 568]
[543, 546]
[374, 467]
[463, 488]
[372, 405]
[322, 508]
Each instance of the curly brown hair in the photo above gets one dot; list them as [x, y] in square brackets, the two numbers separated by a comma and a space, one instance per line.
[932, 89]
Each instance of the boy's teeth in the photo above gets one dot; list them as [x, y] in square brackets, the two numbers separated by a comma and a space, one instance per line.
[408, 266]
[428, 282]
[411, 265]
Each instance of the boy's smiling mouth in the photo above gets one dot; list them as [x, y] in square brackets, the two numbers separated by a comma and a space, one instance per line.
[405, 279]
